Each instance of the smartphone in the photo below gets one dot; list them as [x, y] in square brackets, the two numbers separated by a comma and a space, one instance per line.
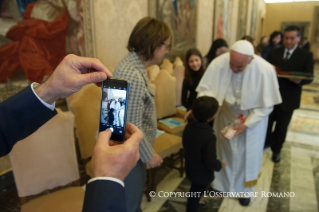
[114, 107]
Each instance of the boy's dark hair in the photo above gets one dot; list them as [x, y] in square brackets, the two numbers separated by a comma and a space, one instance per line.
[293, 28]
[204, 108]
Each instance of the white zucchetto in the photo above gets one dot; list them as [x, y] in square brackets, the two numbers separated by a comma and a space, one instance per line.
[243, 47]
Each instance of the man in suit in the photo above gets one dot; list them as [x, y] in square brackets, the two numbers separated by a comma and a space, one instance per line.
[289, 58]
[23, 113]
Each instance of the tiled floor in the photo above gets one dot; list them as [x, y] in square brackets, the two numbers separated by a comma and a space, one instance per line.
[296, 174]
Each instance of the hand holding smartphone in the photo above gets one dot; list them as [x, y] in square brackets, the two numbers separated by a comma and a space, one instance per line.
[114, 107]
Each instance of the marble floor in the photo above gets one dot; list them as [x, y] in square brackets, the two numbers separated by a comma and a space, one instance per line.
[296, 174]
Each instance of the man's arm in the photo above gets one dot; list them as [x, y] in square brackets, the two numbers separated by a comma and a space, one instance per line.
[254, 117]
[111, 163]
[104, 195]
[23, 113]
[308, 68]
[20, 116]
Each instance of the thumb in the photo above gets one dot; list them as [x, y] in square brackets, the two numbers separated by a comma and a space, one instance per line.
[104, 137]
[93, 77]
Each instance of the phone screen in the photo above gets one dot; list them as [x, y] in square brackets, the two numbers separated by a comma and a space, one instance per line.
[113, 108]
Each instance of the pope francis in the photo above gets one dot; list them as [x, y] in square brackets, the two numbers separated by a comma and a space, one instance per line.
[243, 83]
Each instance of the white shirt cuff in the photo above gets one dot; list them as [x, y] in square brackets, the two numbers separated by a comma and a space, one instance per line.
[51, 107]
[107, 178]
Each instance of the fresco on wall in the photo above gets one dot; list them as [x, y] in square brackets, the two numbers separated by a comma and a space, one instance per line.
[47, 31]
[180, 17]
[34, 38]
[315, 35]
[242, 18]
[223, 11]
[254, 19]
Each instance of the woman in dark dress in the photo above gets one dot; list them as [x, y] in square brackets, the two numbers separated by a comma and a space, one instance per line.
[275, 41]
[218, 47]
[194, 71]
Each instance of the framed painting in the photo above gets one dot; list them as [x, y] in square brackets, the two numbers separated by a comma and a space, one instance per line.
[315, 34]
[44, 34]
[223, 11]
[242, 18]
[254, 19]
[180, 16]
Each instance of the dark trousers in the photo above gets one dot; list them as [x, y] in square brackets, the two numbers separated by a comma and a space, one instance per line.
[276, 138]
[193, 201]
[134, 185]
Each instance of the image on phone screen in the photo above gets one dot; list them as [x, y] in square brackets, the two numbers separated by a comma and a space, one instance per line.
[113, 109]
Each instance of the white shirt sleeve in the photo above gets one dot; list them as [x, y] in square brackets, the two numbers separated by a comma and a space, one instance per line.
[51, 107]
[256, 115]
[107, 178]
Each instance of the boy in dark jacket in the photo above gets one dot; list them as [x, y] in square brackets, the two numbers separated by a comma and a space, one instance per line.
[111, 116]
[199, 143]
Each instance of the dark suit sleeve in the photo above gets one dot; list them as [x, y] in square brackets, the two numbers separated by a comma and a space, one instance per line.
[210, 156]
[308, 67]
[104, 196]
[184, 96]
[270, 56]
[20, 116]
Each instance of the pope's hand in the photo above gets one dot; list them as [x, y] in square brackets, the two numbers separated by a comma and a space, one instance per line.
[240, 128]
[69, 77]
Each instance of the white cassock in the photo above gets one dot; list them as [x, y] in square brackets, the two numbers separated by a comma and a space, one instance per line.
[252, 93]
[117, 108]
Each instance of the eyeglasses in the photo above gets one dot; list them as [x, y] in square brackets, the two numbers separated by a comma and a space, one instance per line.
[168, 46]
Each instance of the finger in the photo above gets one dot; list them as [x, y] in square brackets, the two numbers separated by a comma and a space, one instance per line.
[94, 77]
[83, 63]
[99, 84]
[104, 137]
[113, 143]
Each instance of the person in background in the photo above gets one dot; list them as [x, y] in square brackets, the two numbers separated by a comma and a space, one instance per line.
[199, 142]
[289, 58]
[274, 42]
[218, 47]
[264, 41]
[110, 116]
[148, 43]
[117, 107]
[194, 71]
[252, 41]
[104, 106]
